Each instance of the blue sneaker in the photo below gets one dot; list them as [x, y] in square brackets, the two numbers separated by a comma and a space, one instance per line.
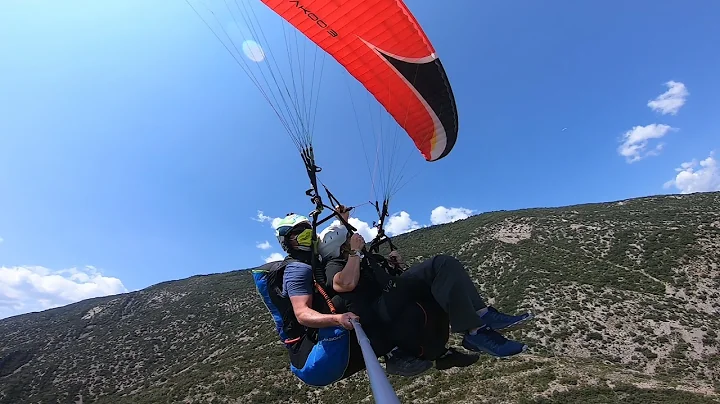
[490, 341]
[499, 321]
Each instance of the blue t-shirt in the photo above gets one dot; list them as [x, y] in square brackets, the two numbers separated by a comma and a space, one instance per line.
[298, 280]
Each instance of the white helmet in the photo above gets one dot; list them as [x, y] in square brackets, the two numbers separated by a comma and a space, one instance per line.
[289, 223]
[331, 239]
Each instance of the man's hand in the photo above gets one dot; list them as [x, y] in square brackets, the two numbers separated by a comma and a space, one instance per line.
[302, 307]
[343, 211]
[357, 242]
[344, 320]
[395, 258]
[347, 279]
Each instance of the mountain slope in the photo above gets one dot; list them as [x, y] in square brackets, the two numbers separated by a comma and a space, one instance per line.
[626, 294]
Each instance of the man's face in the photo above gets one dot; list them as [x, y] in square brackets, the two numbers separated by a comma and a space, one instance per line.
[295, 232]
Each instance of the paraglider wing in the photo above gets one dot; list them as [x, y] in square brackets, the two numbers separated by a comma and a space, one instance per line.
[381, 44]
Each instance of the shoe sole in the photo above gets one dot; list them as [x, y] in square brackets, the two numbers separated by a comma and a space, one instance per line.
[472, 348]
[523, 350]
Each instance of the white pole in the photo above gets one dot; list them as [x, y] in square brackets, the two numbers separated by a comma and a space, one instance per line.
[381, 387]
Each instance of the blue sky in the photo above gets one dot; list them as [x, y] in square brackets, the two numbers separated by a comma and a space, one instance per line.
[133, 150]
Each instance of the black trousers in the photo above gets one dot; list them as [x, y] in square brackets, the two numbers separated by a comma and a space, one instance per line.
[442, 279]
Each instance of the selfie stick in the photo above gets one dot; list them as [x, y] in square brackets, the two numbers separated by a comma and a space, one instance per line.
[381, 387]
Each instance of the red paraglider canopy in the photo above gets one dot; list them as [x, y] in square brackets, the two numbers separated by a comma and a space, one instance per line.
[381, 44]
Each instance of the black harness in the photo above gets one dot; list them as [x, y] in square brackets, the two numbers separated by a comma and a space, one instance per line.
[291, 328]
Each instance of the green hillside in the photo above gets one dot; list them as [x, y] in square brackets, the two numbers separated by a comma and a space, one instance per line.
[626, 295]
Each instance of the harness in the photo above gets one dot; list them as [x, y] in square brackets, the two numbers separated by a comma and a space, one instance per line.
[318, 356]
[377, 265]
[269, 283]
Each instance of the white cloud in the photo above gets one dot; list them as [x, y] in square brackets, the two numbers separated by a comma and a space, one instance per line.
[366, 230]
[26, 289]
[635, 141]
[1, 240]
[394, 225]
[261, 217]
[442, 214]
[697, 177]
[274, 257]
[400, 223]
[671, 100]
[264, 245]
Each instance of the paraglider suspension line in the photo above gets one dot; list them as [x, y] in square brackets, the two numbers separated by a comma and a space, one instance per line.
[381, 237]
[312, 169]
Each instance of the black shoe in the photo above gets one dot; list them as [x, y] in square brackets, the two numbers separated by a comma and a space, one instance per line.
[401, 364]
[455, 359]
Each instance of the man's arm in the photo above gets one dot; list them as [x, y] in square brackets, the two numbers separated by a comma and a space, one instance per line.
[299, 287]
[347, 279]
[302, 306]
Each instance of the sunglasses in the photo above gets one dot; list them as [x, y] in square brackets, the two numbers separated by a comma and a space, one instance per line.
[293, 231]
